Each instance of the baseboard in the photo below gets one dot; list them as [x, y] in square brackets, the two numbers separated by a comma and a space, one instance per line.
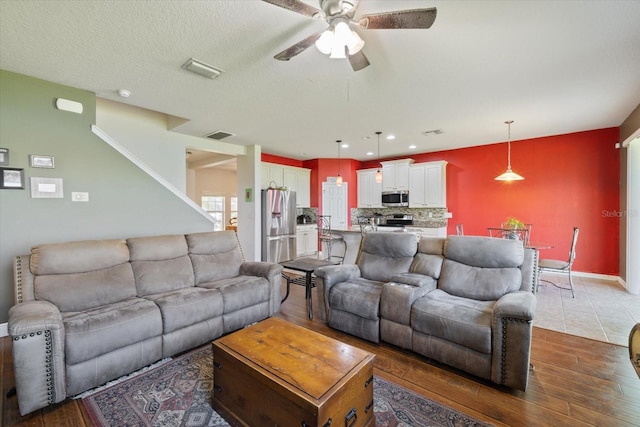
[4, 330]
[608, 277]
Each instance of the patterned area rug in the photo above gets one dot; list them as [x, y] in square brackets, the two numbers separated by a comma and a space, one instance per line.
[178, 393]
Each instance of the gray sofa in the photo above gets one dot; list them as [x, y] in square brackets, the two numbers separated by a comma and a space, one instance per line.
[466, 301]
[90, 311]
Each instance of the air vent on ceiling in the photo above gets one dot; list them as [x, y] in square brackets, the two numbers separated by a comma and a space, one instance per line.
[433, 132]
[220, 134]
[199, 67]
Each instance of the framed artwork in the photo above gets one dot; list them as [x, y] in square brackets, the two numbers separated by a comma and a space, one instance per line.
[4, 156]
[38, 161]
[11, 178]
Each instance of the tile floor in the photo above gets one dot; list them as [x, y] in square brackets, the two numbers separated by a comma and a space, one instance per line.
[602, 310]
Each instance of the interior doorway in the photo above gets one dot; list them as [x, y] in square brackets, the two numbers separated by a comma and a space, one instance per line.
[334, 203]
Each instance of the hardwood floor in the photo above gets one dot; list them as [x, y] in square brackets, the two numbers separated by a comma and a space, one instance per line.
[575, 381]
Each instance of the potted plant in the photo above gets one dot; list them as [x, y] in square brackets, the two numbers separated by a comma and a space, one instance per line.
[514, 223]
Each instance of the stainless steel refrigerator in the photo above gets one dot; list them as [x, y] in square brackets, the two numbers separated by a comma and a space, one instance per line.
[278, 225]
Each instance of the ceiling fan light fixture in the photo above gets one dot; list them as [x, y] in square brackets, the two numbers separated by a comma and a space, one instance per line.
[355, 43]
[325, 42]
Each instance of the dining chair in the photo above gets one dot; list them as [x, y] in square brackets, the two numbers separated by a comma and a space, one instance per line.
[365, 225]
[327, 237]
[560, 266]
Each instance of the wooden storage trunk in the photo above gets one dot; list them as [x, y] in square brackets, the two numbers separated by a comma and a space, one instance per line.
[275, 373]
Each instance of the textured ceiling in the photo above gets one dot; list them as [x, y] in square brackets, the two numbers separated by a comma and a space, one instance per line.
[553, 67]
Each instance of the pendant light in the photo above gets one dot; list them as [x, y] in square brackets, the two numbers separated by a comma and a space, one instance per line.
[509, 175]
[378, 173]
[339, 177]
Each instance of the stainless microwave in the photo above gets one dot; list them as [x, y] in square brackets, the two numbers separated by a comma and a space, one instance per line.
[395, 198]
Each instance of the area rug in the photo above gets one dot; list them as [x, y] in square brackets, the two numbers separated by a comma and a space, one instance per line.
[178, 393]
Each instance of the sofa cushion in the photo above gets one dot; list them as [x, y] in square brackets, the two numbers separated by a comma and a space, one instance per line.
[184, 307]
[91, 333]
[160, 264]
[157, 248]
[384, 255]
[427, 264]
[84, 291]
[156, 277]
[77, 257]
[215, 255]
[459, 320]
[357, 296]
[485, 284]
[479, 251]
[240, 291]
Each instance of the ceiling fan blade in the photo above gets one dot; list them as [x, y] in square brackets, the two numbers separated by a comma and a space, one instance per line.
[297, 48]
[413, 18]
[296, 6]
[358, 61]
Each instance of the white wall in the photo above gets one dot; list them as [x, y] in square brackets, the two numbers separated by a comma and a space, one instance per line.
[633, 216]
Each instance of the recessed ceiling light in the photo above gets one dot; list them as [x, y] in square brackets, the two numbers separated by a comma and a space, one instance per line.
[412, 147]
[201, 68]
[366, 137]
[391, 137]
[369, 153]
[345, 145]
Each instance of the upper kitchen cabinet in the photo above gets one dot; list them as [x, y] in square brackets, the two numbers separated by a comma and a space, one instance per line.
[395, 175]
[299, 180]
[369, 191]
[294, 179]
[428, 187]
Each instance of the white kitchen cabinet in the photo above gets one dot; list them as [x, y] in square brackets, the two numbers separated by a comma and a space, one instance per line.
[395, 175]
[293, 178]
[369, 191]
[272, 175]
[428, 185]
[306, 240]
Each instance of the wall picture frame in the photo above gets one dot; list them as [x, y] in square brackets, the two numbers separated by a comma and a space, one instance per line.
[39, 161]
[4, 156]
[11, 179]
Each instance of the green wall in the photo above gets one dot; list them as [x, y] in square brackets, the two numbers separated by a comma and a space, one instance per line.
[123, 200]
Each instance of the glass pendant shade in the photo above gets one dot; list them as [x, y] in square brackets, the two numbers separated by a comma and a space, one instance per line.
[378, 177]
[325, 42]
[509, 175]
[339, 180]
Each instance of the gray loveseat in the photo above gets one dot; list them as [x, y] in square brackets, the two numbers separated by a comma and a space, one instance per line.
[90, 311]
[466, 301]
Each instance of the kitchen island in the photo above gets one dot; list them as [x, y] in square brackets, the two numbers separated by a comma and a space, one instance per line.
[353, 236]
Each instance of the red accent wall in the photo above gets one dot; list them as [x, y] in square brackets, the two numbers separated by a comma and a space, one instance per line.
[270, 158]
[570, 180]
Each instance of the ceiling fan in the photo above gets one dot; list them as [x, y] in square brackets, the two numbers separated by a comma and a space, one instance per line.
[339, 40]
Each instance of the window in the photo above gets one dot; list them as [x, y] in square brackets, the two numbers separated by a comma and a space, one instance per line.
[214, 205]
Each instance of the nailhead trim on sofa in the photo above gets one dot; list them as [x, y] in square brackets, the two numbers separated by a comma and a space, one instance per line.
[47, 360]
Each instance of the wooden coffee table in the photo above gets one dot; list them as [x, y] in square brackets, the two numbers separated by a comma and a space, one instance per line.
[278, 373]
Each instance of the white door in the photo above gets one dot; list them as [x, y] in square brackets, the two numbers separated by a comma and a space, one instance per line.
[334, 203]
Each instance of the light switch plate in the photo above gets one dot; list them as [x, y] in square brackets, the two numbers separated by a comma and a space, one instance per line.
[79, 196]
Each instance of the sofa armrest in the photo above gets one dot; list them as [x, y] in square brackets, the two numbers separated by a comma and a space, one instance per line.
[511, 339]
[270, 271]
[37, 335]
[328, 276]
